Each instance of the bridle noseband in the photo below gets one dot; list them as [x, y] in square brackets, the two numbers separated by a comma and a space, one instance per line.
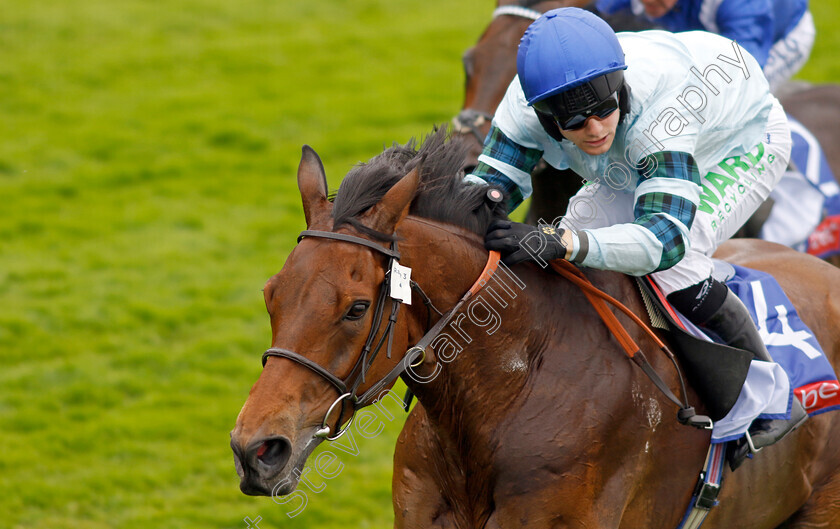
[412, 358]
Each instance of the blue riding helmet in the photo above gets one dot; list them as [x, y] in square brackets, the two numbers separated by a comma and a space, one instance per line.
[569, 62]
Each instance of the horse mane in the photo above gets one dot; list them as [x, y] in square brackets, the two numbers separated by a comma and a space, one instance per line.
[442, 194]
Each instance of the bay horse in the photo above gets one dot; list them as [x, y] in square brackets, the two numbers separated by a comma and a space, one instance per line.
[490, 66]
[537, 419]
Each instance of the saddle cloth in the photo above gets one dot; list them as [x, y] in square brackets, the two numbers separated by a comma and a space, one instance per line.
[801, 369]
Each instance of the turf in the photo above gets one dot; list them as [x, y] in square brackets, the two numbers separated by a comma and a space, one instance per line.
[147, 181]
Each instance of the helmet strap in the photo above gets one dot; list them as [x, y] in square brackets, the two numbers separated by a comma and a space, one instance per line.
[623, 101]
[550, 126]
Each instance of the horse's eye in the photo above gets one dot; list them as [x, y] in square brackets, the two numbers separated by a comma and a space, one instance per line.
[358, 310]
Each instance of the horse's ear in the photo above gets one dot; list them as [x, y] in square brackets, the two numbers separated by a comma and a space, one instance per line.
[312, 182]
[392, 209]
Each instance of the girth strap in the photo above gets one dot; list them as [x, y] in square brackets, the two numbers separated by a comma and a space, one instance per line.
[707, 489]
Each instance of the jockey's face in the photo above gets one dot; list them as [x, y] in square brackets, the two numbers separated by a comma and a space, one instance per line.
[597, 134]
[658, 8]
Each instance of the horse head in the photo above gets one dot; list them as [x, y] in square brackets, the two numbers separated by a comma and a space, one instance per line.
[535, 415]
[334, 325]
[322, 307]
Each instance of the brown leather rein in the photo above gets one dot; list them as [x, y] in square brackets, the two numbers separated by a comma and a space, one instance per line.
[599, 300]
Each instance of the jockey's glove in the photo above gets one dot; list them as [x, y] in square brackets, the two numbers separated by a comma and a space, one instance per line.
[522, 242]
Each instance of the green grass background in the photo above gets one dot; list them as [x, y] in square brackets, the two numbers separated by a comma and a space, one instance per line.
[147, 191]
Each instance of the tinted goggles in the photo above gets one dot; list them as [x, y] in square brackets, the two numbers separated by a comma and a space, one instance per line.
[577, 120]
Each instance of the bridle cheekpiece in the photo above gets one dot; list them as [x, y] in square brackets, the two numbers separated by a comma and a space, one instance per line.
[348, 387]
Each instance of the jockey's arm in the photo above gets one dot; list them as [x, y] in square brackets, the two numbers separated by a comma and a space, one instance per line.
[506, 164]
[611, 6]
[750, 23]
[666, 200]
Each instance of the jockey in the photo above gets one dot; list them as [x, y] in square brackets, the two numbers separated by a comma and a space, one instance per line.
[778, 33]
[678, 144]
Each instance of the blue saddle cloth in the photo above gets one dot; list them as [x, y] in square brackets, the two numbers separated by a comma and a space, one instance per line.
[800, 370]
[789, 341]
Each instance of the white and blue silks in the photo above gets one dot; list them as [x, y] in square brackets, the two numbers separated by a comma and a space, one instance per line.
[805, 196]
[703, 96]
[779, 34]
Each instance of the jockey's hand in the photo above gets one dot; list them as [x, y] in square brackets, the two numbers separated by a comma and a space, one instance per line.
[522, 242]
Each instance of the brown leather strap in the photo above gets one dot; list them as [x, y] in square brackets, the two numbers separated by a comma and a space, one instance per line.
[302, 360]
[351, 239]
[372, 394]
[599, 300]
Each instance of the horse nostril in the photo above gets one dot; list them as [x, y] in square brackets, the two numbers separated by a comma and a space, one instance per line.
[274, 452]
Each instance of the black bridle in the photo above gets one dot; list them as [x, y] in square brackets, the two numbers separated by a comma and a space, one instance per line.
[348, 387]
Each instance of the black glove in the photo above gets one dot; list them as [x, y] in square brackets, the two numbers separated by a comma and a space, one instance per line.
[521, 242]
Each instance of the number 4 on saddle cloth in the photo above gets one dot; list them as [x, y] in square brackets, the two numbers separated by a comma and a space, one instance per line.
[738, 390]
[806, 202]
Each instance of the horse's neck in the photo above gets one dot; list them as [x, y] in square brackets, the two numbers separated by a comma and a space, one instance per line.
[489, 349]
[445, 262]
[494, 349]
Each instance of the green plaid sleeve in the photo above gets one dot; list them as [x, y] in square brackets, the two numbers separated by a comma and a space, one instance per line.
[657, 210]
[499, 147]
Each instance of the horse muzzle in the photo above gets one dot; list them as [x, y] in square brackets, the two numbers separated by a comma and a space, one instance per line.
[267, 466]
